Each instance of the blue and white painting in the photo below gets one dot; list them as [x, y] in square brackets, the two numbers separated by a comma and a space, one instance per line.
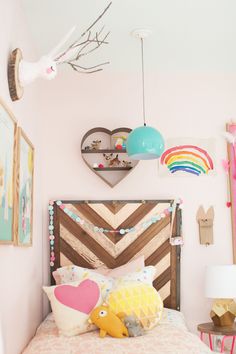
[7, 131]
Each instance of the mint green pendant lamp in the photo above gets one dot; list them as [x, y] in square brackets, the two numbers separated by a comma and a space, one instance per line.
[144, 143]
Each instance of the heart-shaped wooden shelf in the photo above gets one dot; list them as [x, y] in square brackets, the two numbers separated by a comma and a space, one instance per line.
[104, 152]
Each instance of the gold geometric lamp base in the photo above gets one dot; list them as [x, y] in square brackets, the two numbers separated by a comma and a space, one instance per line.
[223, 313]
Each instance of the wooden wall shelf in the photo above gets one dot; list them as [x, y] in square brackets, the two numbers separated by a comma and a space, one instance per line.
[104, 151]
[107, 139]
[112, 169]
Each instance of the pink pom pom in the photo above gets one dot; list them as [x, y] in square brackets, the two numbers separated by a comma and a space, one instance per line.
[49, 70]
[62, 206]
[228, 204]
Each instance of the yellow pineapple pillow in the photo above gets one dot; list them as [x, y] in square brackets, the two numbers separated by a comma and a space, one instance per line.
[136, 298]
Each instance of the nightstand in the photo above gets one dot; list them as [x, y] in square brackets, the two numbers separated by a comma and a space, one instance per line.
[211, 330]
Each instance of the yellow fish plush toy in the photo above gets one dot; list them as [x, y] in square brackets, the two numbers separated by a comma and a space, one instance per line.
[108, 322]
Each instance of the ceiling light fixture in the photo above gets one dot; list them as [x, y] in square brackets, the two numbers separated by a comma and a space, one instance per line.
[145, 142]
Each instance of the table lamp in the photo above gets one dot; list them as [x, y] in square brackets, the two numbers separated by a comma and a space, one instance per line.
[220, 284]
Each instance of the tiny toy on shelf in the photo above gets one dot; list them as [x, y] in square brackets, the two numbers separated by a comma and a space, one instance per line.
[100, 165]
[126, 163]
[95, 145]
[108, 157]
[112, 161]
[120, 142]
[87, 148]
[95, 165]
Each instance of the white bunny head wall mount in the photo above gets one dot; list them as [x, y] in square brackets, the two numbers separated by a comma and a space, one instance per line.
[22, 73]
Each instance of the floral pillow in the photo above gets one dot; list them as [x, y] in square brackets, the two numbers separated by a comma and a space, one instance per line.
[72, 304]
[75, 273]
[145, 276]
[68, 272]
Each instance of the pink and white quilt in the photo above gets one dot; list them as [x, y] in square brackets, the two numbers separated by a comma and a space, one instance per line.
[171, 336]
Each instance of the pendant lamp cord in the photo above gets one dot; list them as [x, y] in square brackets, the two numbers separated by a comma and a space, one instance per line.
[143, 84]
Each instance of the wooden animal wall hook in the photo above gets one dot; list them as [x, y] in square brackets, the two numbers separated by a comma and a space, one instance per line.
[205, 221]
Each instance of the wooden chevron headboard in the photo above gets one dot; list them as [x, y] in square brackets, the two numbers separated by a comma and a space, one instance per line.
[80, 244]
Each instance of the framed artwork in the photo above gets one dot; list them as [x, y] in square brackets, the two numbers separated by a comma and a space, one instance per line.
[24, 193]
[188, 157]
[8, 127]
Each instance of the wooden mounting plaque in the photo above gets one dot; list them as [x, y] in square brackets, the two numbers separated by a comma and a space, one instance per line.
[15, 89]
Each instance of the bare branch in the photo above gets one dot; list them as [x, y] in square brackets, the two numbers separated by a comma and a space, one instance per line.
[85, 47]
[81, 50]
[91, 26]
[99, 17]
[99, 43]
[88, 68]
[82, 43]
[85, 70]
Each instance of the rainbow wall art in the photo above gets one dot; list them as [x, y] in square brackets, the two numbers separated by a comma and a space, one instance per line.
[187, 159]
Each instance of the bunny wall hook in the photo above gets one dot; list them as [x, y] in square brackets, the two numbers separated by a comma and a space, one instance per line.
[205, 221]
[22, 72]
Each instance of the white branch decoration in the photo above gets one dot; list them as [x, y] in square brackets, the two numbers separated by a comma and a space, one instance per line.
[22, 73]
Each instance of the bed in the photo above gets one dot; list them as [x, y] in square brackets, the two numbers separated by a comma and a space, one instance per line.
[92, 247]
[171, 336]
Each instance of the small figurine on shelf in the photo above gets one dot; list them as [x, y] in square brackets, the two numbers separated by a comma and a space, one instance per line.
[95, 145]
[95, 165]
[120, 142]
[126, 163]
[87, 148]
[112, 161]
[108, 157]
[101, 165]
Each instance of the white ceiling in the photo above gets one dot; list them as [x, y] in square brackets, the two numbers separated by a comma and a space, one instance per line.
[187, 34]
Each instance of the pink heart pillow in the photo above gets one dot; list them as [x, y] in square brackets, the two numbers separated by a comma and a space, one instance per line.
[72, 303]
[82, 297]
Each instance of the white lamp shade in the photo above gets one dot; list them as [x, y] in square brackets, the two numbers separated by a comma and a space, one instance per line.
[220, 282]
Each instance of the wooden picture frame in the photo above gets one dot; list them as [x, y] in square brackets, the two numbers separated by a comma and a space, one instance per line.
[8, 132]
[23, 221]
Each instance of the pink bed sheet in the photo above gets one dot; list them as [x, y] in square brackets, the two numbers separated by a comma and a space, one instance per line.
[171, 336]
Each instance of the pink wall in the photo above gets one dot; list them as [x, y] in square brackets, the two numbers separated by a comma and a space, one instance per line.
[56, 114]
[179, 104]
[21, 268]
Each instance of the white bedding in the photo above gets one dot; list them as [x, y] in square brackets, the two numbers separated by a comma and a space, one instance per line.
[171, 336]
